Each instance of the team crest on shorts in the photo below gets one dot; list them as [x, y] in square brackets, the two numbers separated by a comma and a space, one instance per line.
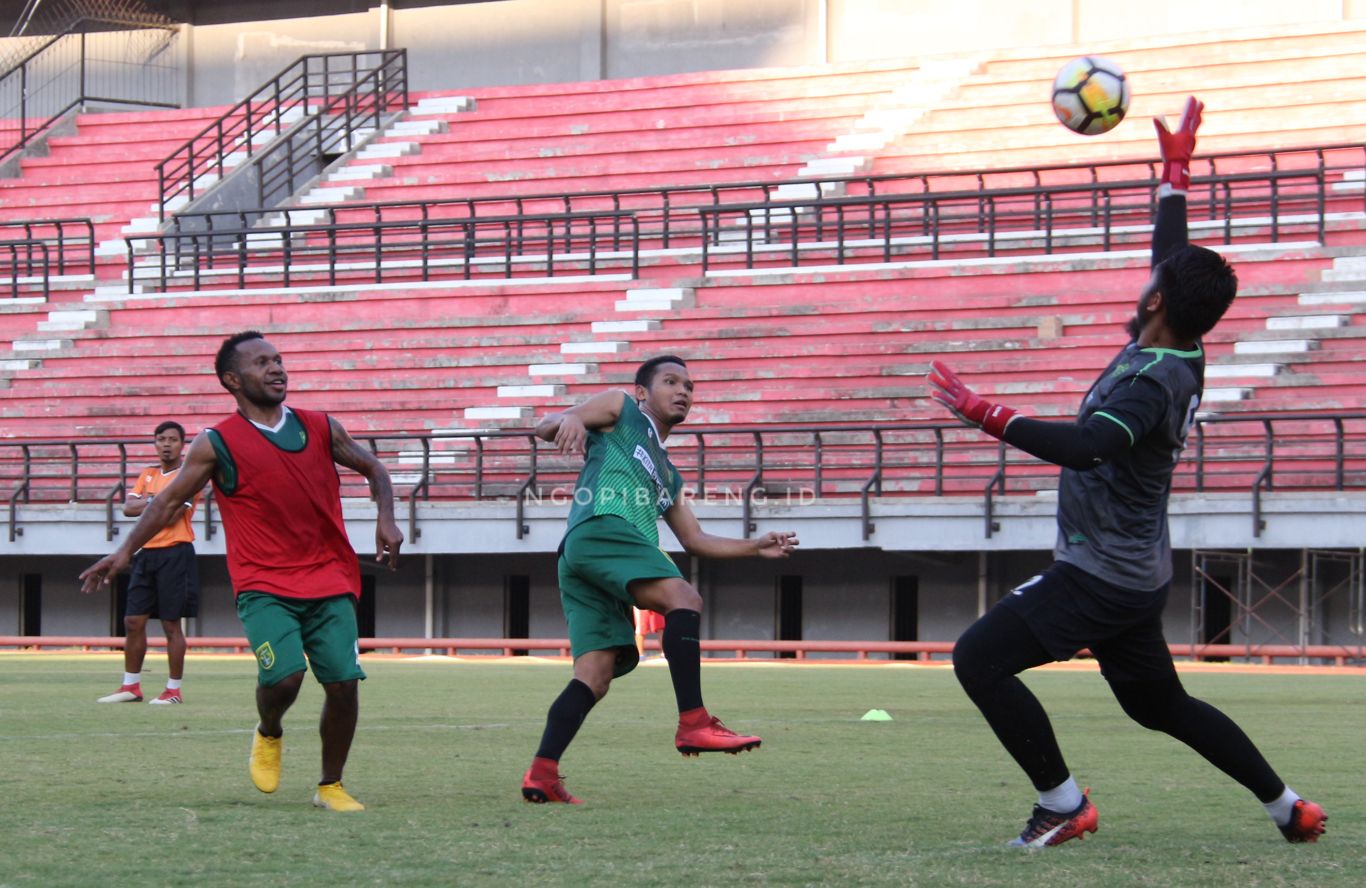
[265, 655]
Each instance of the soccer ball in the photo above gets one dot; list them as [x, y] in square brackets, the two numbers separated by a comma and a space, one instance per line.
[1090, 95]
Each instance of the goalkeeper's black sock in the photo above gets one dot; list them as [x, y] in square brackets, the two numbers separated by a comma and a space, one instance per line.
[684, 652]
[564, 719]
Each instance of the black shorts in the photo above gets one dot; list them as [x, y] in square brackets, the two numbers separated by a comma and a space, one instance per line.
[164, 584]
[1068, 609]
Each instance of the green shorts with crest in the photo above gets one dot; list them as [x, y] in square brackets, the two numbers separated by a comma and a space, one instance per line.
[283, 631]
[599, 559]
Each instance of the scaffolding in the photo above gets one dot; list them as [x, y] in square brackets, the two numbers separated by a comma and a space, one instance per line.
[1317, 601]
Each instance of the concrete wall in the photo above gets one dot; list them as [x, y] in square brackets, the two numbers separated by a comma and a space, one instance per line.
[228, 62]
[846, 595]
[545, 41]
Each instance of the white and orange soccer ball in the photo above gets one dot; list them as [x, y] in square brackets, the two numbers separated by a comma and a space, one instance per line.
[1090, 95]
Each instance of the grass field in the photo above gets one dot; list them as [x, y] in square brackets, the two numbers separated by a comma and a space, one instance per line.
[136, 794]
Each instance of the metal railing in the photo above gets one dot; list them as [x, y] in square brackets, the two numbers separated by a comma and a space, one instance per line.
[1096, 214]
[70, 243]
[32, 252]
[326, 83]
[94, 60]
[25, 266]
[793, 464]
[742, 649]
[669, 214]
[1265, 206]
[375, 252]
[335, 128]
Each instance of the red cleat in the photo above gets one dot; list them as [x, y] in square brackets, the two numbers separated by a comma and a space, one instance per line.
[1307, 822]
[168, 696]
[1047, 828]
[542, 783]
[700, 731]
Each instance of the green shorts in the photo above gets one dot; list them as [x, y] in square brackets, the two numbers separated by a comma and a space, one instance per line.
[599, 559]
[282, 631]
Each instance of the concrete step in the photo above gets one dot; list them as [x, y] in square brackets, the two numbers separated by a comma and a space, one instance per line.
[561, 369]
[443, 105]
[388, 149]
[1241, 371]
[1347, 268]
[332, 195]
[1274, 346]
[497, 412]
[40, 345]
[657, 299]
[74, 319]
[426, 127]
[530, 391]
[640, 326]
[361, 171]
[1308, 322]
[594, 348]
[1218, 395]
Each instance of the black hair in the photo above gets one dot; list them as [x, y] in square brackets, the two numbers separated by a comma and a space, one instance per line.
[167, 426]
[645, 373]
[226, 361]
[1198, 286]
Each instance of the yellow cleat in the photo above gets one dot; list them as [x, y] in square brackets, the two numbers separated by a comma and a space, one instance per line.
[264, 761]
[332, 797]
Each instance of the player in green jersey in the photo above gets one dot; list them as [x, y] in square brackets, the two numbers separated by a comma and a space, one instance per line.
[610, 560]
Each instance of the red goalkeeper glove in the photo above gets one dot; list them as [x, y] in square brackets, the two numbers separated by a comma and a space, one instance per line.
[949, 390]
[1176, 148]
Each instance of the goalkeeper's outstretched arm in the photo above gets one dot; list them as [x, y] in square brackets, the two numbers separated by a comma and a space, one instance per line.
[1175, 148]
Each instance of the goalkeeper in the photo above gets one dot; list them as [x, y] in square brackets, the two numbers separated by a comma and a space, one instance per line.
[1108, 584]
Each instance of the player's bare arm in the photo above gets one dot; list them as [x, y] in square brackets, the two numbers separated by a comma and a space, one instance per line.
[134, 506]
[684, 524]
[346, 452]
[200, 464]
[568, 430]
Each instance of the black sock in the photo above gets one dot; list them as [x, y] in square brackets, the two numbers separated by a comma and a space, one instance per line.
[566, 715]
[681, 628]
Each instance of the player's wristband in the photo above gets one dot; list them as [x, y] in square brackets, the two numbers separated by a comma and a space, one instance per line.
[997, 418]
[1175, 179]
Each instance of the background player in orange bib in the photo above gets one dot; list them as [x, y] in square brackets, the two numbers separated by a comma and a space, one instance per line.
[165, 581]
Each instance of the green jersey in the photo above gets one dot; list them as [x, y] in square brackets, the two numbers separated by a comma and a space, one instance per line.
[626, 472]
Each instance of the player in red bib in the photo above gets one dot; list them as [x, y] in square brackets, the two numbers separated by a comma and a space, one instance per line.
[294, 574]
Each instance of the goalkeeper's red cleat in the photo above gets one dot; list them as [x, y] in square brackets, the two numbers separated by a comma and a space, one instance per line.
[1307, 822]
[542, 783]
[699, 731]
[1047, 828]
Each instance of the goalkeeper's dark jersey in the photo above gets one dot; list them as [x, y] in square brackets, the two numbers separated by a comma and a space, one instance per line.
[1112, 520]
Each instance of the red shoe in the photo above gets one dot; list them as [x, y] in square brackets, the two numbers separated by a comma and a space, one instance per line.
[168, 696]
[125, 694]
[541, 783]
[700, 731]
[1047, 828]
[1307, 822]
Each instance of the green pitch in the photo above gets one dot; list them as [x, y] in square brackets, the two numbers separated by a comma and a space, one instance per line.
[135, 794]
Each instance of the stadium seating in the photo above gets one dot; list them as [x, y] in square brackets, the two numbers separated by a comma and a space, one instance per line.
[1261, 90]
[701, 129]
[105, 170]
[850, 346]
[820, 346]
